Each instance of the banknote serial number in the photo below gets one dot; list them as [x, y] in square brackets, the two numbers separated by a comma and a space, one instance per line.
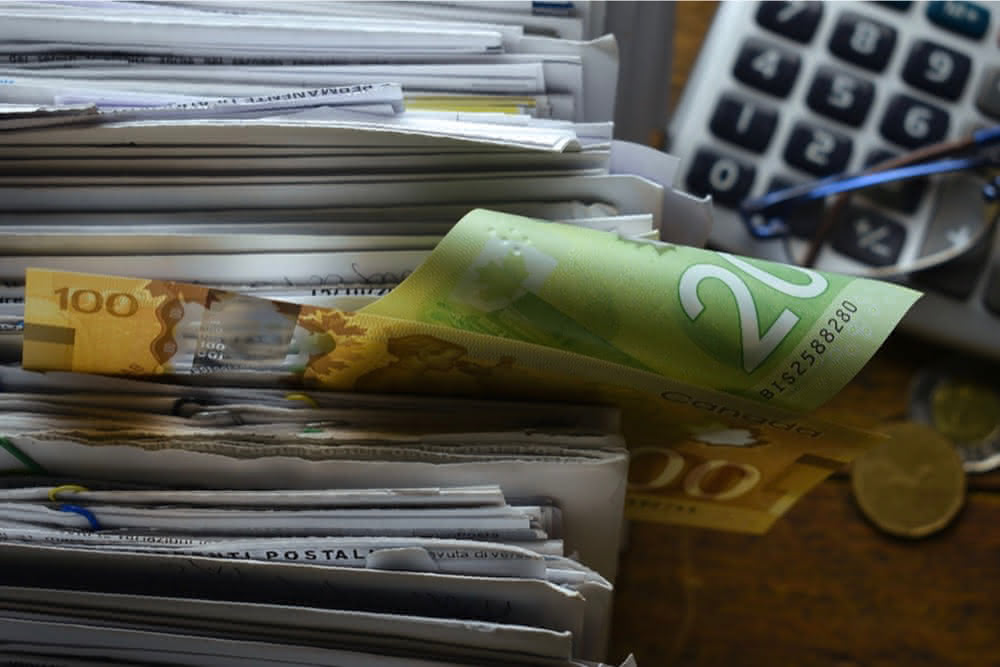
[812, 351]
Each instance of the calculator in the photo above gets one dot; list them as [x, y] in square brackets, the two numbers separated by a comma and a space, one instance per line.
[786, 93]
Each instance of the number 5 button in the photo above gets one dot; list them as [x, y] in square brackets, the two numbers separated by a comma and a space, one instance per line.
[840, 96]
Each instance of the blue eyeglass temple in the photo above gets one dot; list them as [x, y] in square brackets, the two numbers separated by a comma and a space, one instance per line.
[764, 216]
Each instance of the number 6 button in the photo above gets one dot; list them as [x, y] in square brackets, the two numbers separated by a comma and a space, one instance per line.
[912, 123]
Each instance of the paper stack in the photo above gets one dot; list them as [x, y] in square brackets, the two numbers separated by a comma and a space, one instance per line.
[313, 153]
[406, 539]
[503, 57]
[148, 139]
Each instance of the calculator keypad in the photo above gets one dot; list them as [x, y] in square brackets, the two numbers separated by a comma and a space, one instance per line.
[791, 92]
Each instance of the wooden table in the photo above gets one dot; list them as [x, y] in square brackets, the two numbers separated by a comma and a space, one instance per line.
[823, 587]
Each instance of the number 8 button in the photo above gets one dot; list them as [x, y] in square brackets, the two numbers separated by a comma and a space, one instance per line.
[862, 41]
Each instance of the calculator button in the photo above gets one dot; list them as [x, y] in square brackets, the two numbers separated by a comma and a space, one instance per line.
[965, 18]
[863, 41]
[804, 218]
[767, 67]
[795, 20]
[744, 123]
[958, 277]
[898, 5]
[841, 96]
[937, 69]
[991, 297]
[954, 224]
[727, 179]
[912, 123]
[817, 150]
[988, 99]
[903, 195]
[868, 236]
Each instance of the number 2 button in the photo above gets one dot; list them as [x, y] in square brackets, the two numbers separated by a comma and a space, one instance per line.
[816, 150]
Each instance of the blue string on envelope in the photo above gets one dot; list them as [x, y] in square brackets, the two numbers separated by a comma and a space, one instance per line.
[84, 512]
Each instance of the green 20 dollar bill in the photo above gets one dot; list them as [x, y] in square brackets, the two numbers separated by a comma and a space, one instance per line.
[788, 336]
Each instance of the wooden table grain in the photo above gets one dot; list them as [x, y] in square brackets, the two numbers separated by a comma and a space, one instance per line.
[823, 587]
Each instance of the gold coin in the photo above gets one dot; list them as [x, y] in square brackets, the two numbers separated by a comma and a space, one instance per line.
[965, 411]
[913, 484]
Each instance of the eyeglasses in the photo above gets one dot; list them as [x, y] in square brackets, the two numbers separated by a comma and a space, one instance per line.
[767, 217]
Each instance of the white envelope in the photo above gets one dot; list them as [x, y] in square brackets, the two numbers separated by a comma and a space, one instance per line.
[459, 639]
[527, 602]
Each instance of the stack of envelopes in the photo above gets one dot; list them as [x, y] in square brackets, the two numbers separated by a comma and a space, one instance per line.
[319, 528]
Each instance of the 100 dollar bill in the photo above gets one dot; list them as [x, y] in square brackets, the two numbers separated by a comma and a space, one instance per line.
[784, 335]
